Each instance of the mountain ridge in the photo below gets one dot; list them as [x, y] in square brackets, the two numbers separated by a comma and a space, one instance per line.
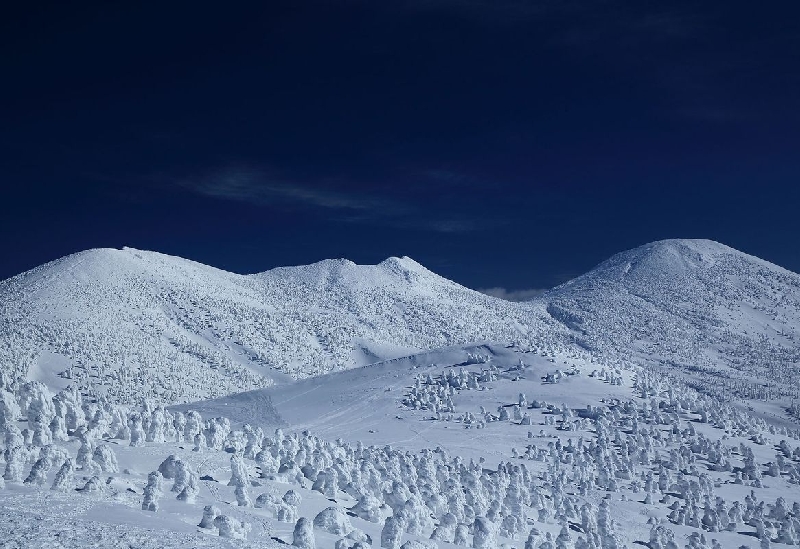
[107, 318]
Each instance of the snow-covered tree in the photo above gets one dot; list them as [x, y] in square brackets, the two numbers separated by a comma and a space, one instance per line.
[333, 520]
[303, 535]
[209, 514]
[152, 492]
[64, 479]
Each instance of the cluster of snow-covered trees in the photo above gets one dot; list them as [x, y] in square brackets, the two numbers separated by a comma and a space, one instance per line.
[656, 445]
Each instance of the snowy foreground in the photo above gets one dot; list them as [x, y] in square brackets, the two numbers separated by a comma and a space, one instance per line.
[569, 443]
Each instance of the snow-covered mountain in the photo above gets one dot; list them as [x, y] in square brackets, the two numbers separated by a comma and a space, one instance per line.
[128, 323]
[711, 311]
[603, 426]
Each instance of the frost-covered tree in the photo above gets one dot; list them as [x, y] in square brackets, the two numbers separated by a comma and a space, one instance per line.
[94, 484]
[15, 457]
[209, 514]
[40, 469]
[333, 520]
[285, 513]
[64, 479]
[303, 535]
[187, 483]
[152, 492]
[86, 451]
[368, 508]
[105, 458]
[231, 528]
[37, 402]
[462, 535]
[392, 533]
[136, 429]
[484, 534]
[446, 529]
[662, 538]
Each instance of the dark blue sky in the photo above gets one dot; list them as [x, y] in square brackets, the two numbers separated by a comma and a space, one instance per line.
[500, 143]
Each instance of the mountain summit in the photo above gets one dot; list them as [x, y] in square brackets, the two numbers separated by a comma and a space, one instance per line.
[128, 323]
[696, 304]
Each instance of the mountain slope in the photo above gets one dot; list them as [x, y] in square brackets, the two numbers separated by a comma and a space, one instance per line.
[128, 323]
[717, 313]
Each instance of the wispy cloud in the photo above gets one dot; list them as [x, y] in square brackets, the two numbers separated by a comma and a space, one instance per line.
[249, 185]
[512, 295]
[259, 187]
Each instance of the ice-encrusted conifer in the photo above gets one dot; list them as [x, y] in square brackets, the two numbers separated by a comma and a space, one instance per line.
[417, 514]
[242, 496]
[186, 482]
[209, 514]
[157, 429]
[368, 508]
[239, 474]
[42, 435]
[105, 458]
[266, 500]
[152, 492]
[462, 535]
[303, 535]
[178, 426]
[40, 469]
[193, 425]
[94, 484]
[235, 442]
[240, 481]
[37, 402]
[15, 457]
[392, 533]
[333, 520]
[605, 527]
[564, 539]
[534, 537]
[86, 450]
[446, 529]
[169, 467]
[484, 533]
[327, 483]
[285, 513]
[216, 431]
[292, 498]
[662, 538]
[9, 408]
[231, 528]
[65, 476]
[268, 463]
[199, 443]
[419, 544]
[58, 428]
[136, 429]
[68, 402]
[255, 439]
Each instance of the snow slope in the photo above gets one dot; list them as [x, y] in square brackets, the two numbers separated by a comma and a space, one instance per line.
[127, 323]
[719, 316]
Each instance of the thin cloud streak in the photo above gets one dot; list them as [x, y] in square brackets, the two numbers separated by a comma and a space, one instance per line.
[256, 187]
